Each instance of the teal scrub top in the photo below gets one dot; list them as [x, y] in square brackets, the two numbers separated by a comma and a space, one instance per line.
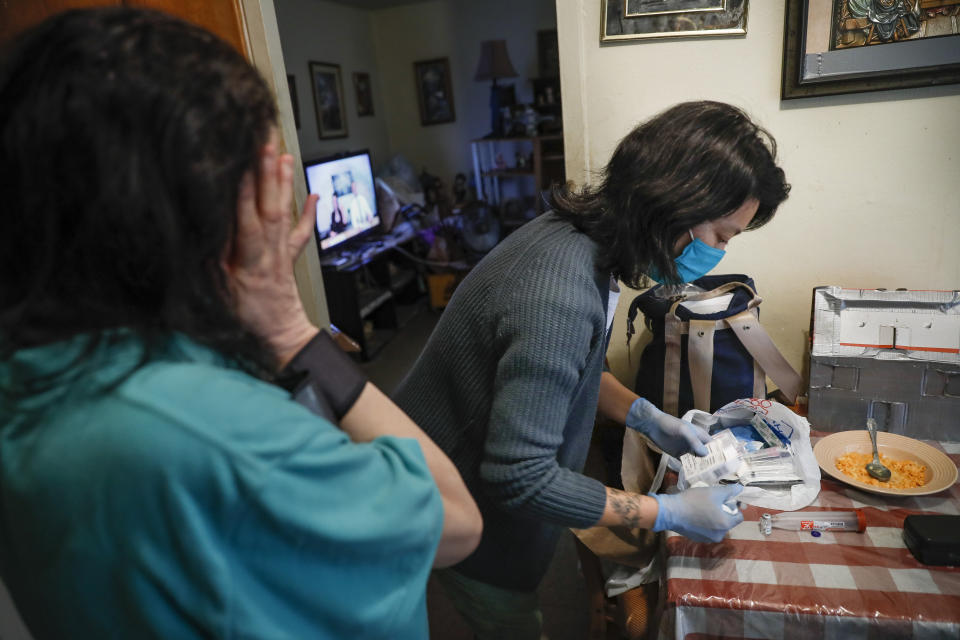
[192, 500]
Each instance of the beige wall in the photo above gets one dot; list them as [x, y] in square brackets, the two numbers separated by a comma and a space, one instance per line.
[405, 34]
[333, 33]
[876, 195]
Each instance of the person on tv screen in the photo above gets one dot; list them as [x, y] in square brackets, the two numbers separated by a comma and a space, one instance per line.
[339, 220]
[358, 209]
[182, 453]
[512, 378]
[350, 208]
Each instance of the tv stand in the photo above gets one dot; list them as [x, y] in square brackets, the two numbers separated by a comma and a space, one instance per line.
[372, 291]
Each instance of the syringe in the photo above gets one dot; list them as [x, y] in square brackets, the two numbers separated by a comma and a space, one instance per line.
[852, 520]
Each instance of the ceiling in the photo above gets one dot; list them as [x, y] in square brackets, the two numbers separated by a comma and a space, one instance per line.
[375, 4]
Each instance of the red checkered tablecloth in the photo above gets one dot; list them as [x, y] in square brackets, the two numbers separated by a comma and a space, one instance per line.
[792, 586]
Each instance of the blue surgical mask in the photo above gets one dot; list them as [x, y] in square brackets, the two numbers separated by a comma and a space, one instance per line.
[696, 260]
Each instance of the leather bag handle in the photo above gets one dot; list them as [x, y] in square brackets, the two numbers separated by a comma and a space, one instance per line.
[755, 339]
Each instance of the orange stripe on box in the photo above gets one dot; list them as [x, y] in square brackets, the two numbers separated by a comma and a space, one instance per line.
[875, 346]
[890, 346]
[934, 349]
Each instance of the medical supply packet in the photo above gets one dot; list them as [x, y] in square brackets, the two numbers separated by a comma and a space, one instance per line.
[730, 460]
[772, 467]
[723, 459]
[784, 477]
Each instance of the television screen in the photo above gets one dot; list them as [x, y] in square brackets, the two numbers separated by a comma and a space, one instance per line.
[348, 205]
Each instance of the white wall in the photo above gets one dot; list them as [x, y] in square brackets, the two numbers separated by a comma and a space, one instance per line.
[876, 195]
[333, 33]
[453, 29]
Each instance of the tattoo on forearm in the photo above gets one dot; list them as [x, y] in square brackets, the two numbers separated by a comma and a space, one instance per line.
[627, 506]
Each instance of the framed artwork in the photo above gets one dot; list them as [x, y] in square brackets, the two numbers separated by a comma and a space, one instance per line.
[548, 54]
[631, 19]
[850, 46]
[361, 84]
[434, 91]
[292, 84]
[328, 100]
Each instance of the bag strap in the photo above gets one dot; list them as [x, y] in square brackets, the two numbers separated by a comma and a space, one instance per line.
[752, 335]
[715, 293]
[701, 371]
[673, 329]
[700, 358]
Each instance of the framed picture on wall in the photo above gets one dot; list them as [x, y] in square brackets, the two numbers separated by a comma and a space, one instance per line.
[361, 84]
[292, 84]
[328, 100]
[850, 46]
[631, 19]
[434, 91]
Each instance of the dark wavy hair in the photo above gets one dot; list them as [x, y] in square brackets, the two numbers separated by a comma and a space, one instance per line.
[124, 135]
[694, 162]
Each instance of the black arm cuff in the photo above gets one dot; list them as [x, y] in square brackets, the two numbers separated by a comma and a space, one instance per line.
[323, 378]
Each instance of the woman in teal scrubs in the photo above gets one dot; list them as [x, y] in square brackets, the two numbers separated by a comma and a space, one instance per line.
[156, 480]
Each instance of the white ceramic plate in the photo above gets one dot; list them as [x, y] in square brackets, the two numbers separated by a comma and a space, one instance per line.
[941, 472]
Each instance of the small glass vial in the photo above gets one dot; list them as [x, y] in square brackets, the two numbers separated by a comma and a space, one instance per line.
[850, 520]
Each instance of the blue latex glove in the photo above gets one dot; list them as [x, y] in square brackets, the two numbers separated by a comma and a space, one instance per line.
[673, 435]
[698, 513]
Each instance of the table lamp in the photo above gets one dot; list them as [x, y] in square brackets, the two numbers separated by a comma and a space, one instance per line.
[494, 64]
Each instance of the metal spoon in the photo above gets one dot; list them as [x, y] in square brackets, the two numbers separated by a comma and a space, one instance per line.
[875, 468]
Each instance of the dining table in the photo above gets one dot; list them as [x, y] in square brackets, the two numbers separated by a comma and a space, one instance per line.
[794, 585]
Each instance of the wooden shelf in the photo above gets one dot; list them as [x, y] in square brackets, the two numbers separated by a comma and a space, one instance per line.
[498, 185]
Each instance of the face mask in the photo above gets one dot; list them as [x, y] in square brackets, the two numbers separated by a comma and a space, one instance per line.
[696, 260]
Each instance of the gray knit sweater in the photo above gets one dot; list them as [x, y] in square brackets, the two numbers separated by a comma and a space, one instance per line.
[507, 386]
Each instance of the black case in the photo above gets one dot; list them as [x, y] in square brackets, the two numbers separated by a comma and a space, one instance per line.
[933, 539]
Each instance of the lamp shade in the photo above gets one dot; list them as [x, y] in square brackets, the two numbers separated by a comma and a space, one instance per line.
[494, 61]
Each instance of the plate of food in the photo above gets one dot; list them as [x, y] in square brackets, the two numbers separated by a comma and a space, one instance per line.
[918, 469]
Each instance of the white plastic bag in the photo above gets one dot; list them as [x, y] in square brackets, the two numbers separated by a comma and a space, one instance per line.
[794, 427]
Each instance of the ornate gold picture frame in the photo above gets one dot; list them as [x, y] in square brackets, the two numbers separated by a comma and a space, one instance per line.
[635, 19]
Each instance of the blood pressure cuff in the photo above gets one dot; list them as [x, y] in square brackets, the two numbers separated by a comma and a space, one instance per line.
[323, 378]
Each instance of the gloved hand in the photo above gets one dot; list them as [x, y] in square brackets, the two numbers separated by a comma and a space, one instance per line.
[673, 435]
[698, 513]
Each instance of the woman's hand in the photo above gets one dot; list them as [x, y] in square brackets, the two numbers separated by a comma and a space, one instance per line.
[260, 267]
[703, 514]
[672, 435]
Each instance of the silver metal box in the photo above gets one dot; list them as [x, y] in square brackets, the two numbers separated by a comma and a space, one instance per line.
[890, 355]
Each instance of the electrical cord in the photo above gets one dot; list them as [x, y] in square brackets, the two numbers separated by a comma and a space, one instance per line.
[457, 264]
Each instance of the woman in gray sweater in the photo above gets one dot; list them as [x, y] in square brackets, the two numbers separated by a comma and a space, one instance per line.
[511, 380]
